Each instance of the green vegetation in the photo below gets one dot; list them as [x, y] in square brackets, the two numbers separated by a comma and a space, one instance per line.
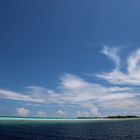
[111, 117]
[122, 117]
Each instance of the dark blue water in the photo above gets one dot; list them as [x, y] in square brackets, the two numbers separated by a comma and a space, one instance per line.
[115, 130]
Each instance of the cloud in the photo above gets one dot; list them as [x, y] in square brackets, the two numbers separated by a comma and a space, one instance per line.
[69, 81]
[112, 53]
[75, 91]
[86, 94]
[86, 91]
[131, 77]
[93, 110]
[41, 114]
[83, 114]
[61, 113]
[130, 104]
[81, 92]
[22, 112]
[7, 94]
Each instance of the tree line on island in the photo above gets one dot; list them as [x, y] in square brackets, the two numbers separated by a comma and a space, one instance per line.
[111, 117]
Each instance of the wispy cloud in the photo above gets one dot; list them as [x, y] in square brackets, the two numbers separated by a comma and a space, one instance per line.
[127, 104]
[7, 94]
[112, 53]
[73, 90]
[131, 77]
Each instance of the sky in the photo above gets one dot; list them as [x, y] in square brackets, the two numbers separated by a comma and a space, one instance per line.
[69, 58]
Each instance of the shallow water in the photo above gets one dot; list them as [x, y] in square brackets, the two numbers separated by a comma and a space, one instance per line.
[94, 130]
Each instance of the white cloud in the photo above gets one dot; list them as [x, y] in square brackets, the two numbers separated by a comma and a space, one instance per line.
[129, 104]
[134, 62]
[70, 81]
[93, 110]
[23, 112]
[74, 90]
[61, 113]
[88, 91]
[83, 114]
[112, 53]
[65, 94]
[7, 94]
[131, 77]
[41, 114]
[91, 92]
[118, 96]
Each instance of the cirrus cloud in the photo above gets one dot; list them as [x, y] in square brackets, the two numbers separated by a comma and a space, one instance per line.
[131, 77]
[81, 93]
[73, 90]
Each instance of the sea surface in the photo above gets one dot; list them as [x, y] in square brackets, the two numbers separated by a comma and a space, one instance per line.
[70, 130]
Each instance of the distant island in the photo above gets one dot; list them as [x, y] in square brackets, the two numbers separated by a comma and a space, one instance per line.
[110, 117]
[119, 116]
[67, 119]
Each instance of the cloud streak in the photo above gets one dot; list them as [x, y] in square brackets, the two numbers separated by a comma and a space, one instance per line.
[131, 77]
[7, 94]
[112, 53]
[73, 90]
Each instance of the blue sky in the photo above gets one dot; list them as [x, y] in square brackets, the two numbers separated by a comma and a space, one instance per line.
[69, 58]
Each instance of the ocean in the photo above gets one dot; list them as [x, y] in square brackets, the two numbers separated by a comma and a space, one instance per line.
[70, 130]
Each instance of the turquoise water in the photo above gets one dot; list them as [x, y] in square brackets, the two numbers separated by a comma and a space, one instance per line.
[58, 119]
